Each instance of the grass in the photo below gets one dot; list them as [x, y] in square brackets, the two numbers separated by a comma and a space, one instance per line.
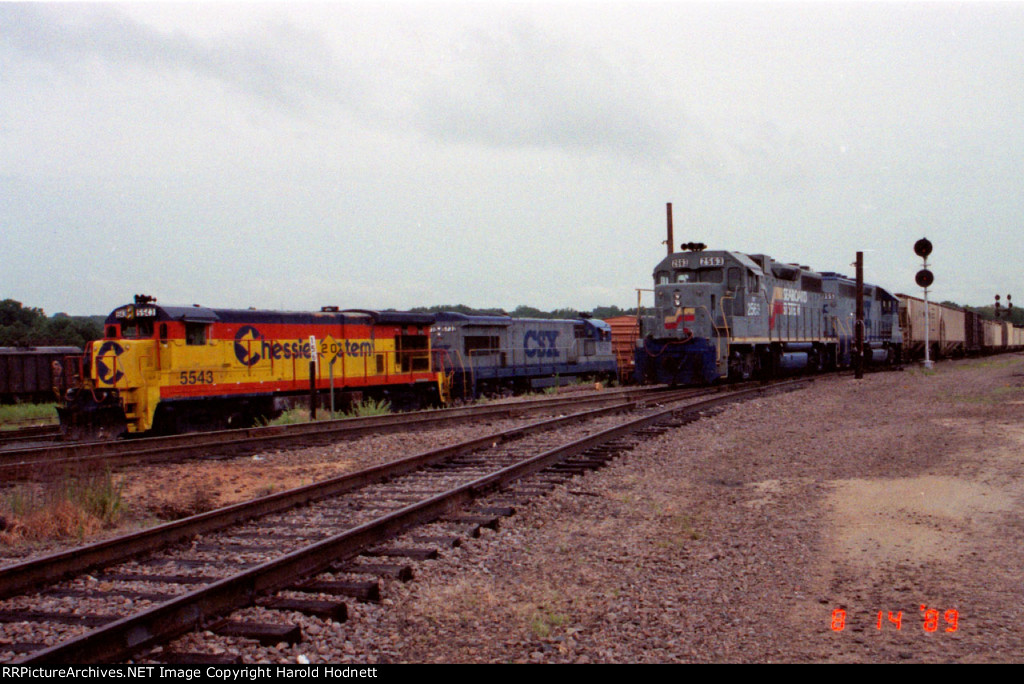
[22, 413]
[367, 407]
[69, 507]
[542, 623]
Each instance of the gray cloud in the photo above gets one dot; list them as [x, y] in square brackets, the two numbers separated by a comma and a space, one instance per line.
[282, 65]
[515, 86]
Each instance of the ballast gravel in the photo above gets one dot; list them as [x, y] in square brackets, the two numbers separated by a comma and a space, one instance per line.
[878, 520]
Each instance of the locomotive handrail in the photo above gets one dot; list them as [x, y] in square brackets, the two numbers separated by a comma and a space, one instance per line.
[725, 326]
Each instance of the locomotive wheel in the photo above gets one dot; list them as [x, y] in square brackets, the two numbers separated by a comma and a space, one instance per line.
[742, 366]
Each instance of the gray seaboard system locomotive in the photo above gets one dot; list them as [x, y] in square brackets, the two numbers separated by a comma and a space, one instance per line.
[724, 314]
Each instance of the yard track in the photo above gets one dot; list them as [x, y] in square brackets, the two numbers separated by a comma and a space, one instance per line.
[280, 542]
[40, 462]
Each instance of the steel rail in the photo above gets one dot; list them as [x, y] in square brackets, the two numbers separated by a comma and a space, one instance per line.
[22, 577]
[119, 639]
[30, 462]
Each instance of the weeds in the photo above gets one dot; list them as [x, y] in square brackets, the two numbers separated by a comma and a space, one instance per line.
[71, 506]
[370, 407]
[544, 622]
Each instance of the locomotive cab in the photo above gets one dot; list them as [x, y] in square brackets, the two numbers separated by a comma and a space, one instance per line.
[702, 301]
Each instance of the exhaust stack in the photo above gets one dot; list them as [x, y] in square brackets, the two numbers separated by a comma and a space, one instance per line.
[669, 241]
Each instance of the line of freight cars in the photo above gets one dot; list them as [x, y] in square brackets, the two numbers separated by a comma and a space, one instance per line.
[953, 331]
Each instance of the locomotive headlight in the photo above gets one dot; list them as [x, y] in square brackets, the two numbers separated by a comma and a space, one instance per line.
[675, 299]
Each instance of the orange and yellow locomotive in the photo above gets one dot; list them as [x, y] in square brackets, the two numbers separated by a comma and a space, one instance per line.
[166, 369]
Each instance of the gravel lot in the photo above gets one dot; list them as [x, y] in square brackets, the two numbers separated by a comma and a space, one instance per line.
[736, 538]
[733, 539]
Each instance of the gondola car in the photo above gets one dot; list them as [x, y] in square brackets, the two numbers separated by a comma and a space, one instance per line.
[37, 374]
[492, 354]
[169, 369]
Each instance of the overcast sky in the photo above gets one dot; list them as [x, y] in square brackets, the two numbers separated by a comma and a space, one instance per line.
[374, 155]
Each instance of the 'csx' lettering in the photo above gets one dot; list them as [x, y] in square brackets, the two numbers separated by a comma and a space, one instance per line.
[540, 343]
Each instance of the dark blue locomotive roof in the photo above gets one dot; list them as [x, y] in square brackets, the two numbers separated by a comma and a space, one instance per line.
[202, 314]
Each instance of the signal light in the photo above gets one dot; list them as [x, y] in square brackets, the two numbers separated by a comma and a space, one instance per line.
[924, 278]
[923, 247]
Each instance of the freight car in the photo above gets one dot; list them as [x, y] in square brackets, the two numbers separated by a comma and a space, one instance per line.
[724, 314]
[953, 331]
[35, 374]
[169, 369]
[491, 354]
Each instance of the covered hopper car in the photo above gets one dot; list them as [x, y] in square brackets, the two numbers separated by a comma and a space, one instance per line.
[953, 331]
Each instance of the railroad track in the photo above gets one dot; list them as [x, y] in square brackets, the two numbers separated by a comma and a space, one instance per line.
[111, 600]
[40, 461]
[33, 433]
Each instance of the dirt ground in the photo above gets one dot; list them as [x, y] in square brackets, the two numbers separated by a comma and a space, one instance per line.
[783, 529]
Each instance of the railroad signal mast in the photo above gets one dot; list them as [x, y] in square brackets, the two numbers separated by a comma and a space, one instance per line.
[1009, 307]
[924, 279]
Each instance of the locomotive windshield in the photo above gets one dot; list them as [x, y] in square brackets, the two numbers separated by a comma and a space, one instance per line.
[137, 330]
[703, 275]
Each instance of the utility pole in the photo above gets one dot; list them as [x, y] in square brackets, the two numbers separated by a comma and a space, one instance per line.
[858, 359]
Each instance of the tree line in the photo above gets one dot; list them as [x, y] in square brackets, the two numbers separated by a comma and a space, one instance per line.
[22, 326]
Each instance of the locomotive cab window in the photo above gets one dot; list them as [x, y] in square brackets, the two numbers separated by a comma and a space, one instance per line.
[735, 279]
[137, 330]
[195, 333]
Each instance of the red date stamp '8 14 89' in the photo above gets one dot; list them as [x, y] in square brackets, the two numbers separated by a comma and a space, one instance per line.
[932, 620]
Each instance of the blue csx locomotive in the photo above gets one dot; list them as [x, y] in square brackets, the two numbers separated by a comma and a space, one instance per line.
[724, 314]
[487, 354]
